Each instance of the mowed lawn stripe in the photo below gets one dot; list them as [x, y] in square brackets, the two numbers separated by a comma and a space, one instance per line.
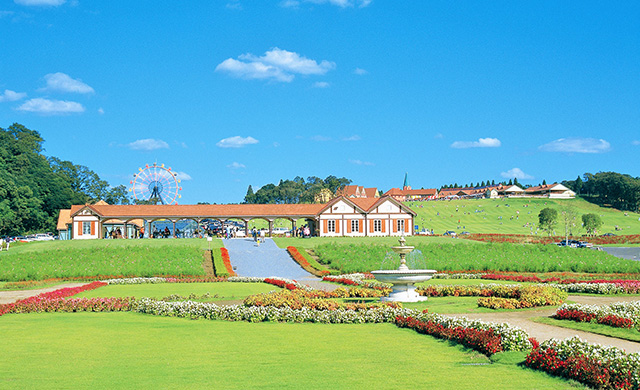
[118, 350]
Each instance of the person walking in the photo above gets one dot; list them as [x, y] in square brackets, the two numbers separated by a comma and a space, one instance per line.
[262, 235]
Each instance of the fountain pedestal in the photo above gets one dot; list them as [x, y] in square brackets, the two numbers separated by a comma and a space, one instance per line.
[403, 278]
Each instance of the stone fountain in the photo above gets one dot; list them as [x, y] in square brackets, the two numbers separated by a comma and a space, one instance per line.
[403, 278]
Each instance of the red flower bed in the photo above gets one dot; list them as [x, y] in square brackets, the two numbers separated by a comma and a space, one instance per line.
[196, 280]
[522, 239]
[281, 283]
[574, 315]
[485, 341]
[615, 321]
[227, 261]
[40, 299]
[304, 263]
[587, 370]
[72, 305]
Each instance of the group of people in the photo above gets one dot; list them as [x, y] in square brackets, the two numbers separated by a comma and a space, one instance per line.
[258, 235]
[303, 231]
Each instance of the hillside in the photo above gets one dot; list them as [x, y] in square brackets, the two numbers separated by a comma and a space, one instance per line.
[513, 216]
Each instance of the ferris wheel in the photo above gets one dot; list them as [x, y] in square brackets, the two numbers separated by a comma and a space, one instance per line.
[156, 182]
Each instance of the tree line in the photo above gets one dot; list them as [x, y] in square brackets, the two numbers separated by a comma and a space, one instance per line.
[297, 190]
[617, 190]
[33, 188]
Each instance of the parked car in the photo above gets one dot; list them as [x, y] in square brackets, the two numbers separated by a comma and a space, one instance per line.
[280, 231]
[424, 232]
[609, 235]
[43, 237]
[465, 233]
[450, 233]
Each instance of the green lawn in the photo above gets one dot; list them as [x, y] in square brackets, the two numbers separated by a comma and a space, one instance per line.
[218, 291]
[73, 258]
[127, 350]
[495, 215]
[313, 242]
[621, 333]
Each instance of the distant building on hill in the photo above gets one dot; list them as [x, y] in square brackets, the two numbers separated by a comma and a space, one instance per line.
[407, 194]
[554, 191]
[358, 192]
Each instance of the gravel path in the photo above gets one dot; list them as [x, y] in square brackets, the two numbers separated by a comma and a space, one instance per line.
[12, 296]
[541, 332]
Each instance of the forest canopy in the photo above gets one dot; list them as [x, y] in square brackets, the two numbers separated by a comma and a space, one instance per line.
[33, 188]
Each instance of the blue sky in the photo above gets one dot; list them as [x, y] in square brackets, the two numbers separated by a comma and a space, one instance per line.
[232, 93]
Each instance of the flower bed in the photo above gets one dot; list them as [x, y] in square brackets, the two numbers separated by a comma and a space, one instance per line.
[358, 279]
[41, 300]
[618, 286]
[527, 239]
[487, 337]
[500, 296]
[592, 364]
[304, 263]
[227, 261]
[619, 314]
[484, 341]
[315, 300]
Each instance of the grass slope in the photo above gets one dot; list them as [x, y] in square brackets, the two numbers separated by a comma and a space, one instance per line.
[501, 215]
[64, 259]
[126, 350]
[490, 256]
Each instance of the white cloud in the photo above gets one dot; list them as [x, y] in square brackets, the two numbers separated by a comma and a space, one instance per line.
[360, 162]
[51, 107]
[100, 111]
[320, 138]
[148, 144]
[52, 3]
[438, 136]
[339, 3]
[516, 173]
[635, 142]
[63, 83]
[236, 142]
[11, 96]
[321, 84]
[183, 176]
[360, 71]
[577, 145]
[276, 64]
[354, 137]
[236, 165]
[480, 143]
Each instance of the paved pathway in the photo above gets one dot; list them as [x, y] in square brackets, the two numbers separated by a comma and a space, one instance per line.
[264, 260]
[632, 253]
[12, 296]
[541, 332]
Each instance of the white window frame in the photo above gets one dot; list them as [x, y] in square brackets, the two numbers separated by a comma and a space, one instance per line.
[86, 228]
[377, 226]
[355, 225]
[401, 225]
[331, 226]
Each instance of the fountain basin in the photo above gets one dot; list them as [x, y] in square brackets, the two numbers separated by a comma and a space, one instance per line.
[403, 289]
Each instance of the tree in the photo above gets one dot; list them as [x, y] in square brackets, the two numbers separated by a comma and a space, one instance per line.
[510, 183]
[544, 182]
[547, 219]
[250, 197]
[515, 181]
[591, 223]
[569, 215]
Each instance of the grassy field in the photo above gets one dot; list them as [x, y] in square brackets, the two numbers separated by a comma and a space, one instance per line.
[311, 243]
[74, 258]
[511, 215]
[218, 291]
[487, 257]
[127, 350]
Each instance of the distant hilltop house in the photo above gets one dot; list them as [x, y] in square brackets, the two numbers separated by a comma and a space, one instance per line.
[358, 192]
[409, 194]
[554, 191]
[342, 216]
